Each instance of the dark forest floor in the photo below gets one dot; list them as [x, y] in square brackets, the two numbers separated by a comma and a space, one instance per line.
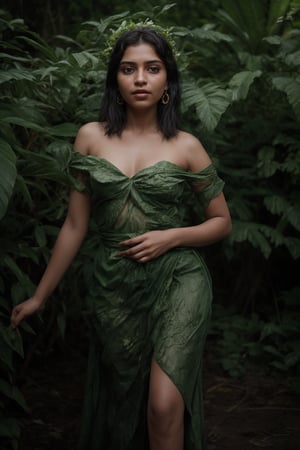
[241, 414]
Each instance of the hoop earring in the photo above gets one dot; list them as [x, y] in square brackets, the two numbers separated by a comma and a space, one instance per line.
[165, 98]
[120, 101]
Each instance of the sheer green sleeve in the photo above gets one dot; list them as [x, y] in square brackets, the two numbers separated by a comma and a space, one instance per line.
[205, 185]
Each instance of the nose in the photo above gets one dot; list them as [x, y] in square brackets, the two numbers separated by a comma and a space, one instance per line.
[140, 78]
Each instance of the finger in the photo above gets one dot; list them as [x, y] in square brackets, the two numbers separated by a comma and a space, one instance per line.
[140, 255]
[144, 259]
[17, 317]
[14, 322]
[133, 241]
[132, 250]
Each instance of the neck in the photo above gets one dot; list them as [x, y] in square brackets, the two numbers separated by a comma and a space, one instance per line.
[142, 121]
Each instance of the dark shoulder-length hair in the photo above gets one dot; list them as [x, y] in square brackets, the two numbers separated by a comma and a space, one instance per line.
[114, 114]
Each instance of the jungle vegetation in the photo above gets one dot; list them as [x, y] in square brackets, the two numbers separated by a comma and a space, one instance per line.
[240, 71]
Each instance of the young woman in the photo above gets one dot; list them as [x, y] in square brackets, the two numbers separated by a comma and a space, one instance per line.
[156, 200]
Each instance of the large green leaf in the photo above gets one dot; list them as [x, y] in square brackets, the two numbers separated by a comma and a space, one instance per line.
[16, 74]
[8, 175]
[23, 278]
[291, 87]
[24, 112]
[248, 18]
[39, 44]
[241, 82]
[277, 11]
[62, 130]
[206, 33]
[13, 393]
[209, 100]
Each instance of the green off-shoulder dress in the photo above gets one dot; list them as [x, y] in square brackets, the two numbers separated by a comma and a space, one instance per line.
[137, 311]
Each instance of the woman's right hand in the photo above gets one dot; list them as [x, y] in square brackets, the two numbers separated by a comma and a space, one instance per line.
[25, 309]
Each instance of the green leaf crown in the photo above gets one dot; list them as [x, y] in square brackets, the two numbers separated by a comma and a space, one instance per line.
[127, 25]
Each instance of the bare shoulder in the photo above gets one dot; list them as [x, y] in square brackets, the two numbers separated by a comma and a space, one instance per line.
[86, 136]
[195, 154]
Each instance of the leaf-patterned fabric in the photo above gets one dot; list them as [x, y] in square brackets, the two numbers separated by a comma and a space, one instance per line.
[136, 311]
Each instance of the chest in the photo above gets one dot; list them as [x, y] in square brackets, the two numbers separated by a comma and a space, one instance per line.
[132, 156]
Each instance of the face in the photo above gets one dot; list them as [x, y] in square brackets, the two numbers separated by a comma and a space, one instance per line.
[142, 76]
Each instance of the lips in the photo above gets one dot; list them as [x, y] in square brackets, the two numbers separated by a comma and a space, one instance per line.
[140, 92]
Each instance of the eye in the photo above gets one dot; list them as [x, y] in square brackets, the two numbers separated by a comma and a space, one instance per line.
[154, 69]
[127, 70]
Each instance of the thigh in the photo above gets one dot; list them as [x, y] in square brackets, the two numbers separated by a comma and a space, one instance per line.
[164, 396]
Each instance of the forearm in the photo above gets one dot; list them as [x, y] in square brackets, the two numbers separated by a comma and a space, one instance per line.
[65, 249]
[206, 233]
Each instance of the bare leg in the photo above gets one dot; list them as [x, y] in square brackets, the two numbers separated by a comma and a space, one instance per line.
[165, 412]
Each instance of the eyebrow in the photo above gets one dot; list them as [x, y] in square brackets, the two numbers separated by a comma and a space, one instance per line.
[153, 61]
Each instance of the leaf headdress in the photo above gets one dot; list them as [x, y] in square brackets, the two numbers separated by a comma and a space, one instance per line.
[128, 25]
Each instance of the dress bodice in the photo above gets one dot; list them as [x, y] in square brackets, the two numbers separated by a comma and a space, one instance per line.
[160, 196]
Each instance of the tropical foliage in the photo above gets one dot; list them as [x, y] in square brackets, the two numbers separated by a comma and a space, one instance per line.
[240, 68]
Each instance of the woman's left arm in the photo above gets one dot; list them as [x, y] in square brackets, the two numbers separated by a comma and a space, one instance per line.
[152, 244]
[216, 226]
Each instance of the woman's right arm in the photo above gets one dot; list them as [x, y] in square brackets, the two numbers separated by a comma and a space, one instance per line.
[66, 246]
[65, 249]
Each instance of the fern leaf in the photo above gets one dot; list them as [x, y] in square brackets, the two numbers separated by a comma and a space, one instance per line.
[251, 232]
[266, 164]
[273, 235]
[84, 58]
[276, 204]
[293, 246]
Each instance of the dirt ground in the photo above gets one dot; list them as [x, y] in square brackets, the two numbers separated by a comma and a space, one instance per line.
[241, 414]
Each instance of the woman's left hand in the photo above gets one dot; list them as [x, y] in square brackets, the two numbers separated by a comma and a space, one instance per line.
[148, 246]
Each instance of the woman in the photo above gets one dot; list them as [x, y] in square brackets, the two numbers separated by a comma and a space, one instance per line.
[149, 298]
